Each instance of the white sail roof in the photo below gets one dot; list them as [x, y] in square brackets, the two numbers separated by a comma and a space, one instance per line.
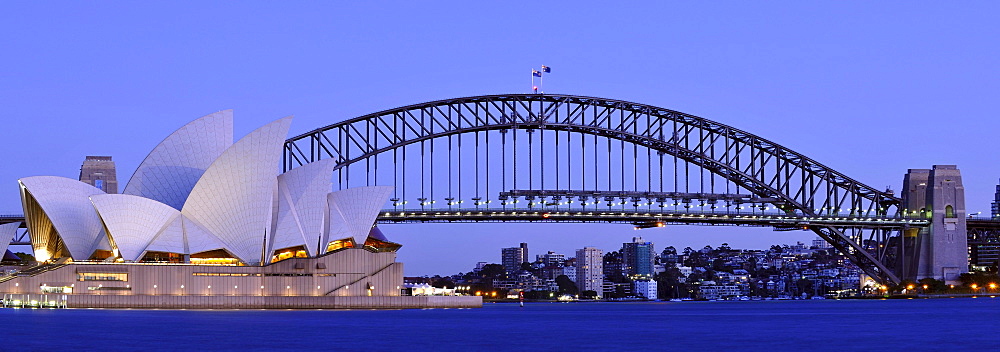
[7, 233]
[198, 238]
[171, 239]
[132, 221]
[66, 203]
[170, 171]
[233, 199]
[356, 209]
[302, 205]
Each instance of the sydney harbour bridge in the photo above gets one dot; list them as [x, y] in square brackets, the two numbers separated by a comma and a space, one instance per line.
[563, 158]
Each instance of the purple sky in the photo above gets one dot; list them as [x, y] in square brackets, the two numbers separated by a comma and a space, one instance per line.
[868, 90]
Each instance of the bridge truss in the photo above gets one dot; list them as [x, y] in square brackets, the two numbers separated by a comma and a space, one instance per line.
[21, 237]
[542, 157]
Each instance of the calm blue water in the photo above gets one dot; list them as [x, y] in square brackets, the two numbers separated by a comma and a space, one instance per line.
[881, 325]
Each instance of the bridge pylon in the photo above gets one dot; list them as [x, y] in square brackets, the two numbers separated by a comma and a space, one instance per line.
[939, 251]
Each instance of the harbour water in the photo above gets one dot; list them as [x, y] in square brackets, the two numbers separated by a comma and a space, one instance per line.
[818, 325]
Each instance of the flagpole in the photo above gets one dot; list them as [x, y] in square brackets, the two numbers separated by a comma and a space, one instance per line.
[541, 80]
[532, 79]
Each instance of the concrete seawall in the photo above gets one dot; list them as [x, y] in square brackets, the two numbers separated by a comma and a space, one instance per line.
[270, 302]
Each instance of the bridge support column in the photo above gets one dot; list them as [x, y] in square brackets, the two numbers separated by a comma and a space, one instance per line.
[939, 251]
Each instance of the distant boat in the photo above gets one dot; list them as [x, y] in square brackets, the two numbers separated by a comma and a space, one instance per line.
[676, 300]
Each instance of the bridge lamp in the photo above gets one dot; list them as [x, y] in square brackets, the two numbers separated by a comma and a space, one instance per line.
[993, 285]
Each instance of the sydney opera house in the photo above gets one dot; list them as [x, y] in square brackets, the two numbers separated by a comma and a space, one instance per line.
[208, 223]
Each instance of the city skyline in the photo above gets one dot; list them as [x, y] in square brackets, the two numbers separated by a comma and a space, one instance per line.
[870, 91]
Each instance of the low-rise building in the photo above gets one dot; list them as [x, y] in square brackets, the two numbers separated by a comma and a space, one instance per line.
[645, 288]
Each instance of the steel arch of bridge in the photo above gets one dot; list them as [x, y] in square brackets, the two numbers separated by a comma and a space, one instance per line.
[788, 181]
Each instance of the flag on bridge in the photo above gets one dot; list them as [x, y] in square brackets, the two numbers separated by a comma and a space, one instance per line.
[536, 73]
[546, 69]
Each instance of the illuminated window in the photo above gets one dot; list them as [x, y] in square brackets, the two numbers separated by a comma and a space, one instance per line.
[101, 254]
[108, 288]
[288, 253]
[224, 274]
[57, 289]
[162, 257]
[340, 244]
[215, 261]
[102, 277]
[215, 257]
[377, 246]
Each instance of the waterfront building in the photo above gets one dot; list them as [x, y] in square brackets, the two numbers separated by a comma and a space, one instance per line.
[204, 216]
[617, 289]
[712, 291]
[513, 257]
[645, 288]
[99, 171]
[590, 270]
[638, 258]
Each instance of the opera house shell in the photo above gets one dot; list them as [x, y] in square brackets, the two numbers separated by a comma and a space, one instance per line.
[203, 211]
[198, 197]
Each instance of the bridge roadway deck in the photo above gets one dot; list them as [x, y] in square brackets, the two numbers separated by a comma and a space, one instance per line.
[641, 218]
[9, 218]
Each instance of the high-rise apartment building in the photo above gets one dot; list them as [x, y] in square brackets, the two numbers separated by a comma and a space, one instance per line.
[513, 257]
[995, 211]
[99, 171]
[590, 270]
[638, 258]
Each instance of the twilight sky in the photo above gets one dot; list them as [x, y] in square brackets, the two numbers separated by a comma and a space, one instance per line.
[868, 89]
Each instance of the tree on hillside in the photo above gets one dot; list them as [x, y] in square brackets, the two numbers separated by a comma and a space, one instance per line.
[566, 286]
[493, 271]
